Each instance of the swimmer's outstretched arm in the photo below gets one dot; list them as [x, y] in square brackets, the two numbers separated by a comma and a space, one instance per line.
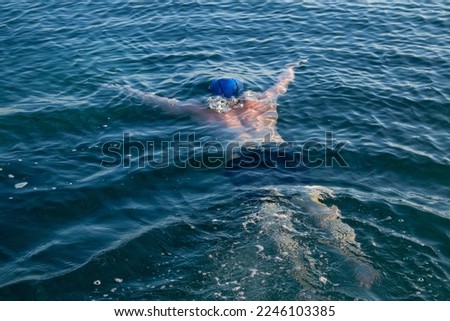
[170, 105]
[284, 79]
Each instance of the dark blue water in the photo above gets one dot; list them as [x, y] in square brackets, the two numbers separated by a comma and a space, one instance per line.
[70, 229]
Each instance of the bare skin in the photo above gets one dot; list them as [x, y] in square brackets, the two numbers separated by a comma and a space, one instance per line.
[255, 121]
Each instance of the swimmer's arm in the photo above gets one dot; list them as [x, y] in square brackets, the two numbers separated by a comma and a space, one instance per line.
[170, 105]
[287, 76]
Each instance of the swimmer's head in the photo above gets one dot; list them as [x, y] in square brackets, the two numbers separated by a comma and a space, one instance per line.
[226, 87]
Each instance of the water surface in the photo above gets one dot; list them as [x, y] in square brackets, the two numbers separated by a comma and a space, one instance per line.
[377, 78]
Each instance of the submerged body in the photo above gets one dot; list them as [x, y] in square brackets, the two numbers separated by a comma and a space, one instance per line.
[288, 231]
[276, 221]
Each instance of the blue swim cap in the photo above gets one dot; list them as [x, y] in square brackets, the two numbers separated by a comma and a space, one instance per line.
[226, 87]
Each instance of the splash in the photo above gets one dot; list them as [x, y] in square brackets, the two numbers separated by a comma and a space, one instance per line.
[224, 105]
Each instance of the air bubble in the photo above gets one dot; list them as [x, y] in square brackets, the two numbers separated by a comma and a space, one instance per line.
[97, 282]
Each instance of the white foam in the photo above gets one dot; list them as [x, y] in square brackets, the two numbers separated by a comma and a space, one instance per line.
[21, 185]
[254, 272]
[260, 248]
[10, 175]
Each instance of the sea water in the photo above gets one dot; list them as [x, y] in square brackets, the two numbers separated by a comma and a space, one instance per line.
[78, 224]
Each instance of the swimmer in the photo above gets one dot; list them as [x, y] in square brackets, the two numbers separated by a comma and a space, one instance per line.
[251, 115]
